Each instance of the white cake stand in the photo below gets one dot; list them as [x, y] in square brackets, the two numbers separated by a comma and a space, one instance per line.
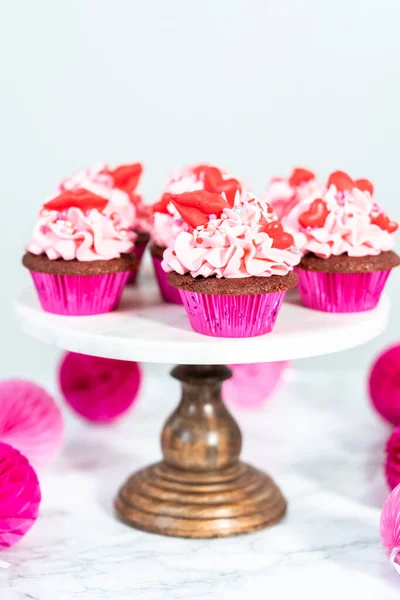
[201, 488]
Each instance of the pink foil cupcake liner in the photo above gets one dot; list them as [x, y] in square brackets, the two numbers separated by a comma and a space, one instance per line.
[79, 294]
[139, 251]
[168, 292]
[341, 292]
[232, 316]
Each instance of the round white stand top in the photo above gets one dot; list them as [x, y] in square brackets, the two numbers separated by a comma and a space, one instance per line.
[146, 329]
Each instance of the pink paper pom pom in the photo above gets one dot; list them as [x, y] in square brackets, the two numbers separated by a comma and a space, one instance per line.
[384, 385]
[19, 496]
[30, 421]
[390, 527]
[251, 385]
[99, 389]
[392, 467]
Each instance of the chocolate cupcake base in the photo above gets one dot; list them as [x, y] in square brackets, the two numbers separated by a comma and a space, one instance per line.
[157, 251]
[41, 264]
[246, 286]
[350, 264]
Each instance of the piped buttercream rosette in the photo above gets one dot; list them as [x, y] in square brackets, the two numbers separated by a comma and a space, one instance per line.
[105, 180]
[284, 193]
[229, 242]
[167, 221]
[342, 218]
[346, 240]
[83, 225]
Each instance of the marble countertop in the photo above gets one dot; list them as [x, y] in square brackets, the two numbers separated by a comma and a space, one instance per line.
[317, 437]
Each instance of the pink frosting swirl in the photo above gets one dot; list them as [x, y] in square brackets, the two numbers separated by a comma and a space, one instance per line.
[233, 246]
[98, 180]
[88, 179]
[168, 224]
[349, 226]
[86, 235]
[284, 193]
[166, 227]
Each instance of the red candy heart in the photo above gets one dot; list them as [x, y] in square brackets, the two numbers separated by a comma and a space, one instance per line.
[343, 182]
[281, 239]
[214, 182]
[161, 205]
[195, 208]
[198, 170]
[384, 222]
[126, 177]
[315, 216]
[79, 198]
[364, 185]
[300, 176]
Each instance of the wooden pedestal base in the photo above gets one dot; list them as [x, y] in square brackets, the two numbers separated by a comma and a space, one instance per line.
[200, 489]
[164, 500]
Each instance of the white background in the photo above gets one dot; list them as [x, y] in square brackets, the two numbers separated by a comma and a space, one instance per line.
[255, 86]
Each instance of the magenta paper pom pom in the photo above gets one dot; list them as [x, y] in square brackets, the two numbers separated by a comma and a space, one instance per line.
[251, 385]
[99, 389]
[384, 385]
[30, 421]
[392, 466]
[390, 528]
[19, 496]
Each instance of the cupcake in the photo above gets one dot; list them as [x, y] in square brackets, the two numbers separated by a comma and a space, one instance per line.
[81, 252]
[347, 243]
[232, 266]
[125, 178]
[167, 221]
[284, 193]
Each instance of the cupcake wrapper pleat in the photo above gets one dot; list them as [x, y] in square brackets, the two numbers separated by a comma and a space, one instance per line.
[341, 292]
[79, 294]
[168, 292]
[232, 316]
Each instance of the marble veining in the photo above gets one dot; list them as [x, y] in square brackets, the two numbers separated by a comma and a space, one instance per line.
[319, 439]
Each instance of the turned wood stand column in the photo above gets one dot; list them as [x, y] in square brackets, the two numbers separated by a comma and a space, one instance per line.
[201, 489]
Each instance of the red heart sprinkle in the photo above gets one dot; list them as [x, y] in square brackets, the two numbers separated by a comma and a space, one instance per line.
[214, 182]
[341, 180]
[199, 170]
[161, 205]
[195, 208]
[79, 198]
[364, 185]
[126, 177]
[316, 215]
[300, 176]
[383, 221]
[281, 239]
